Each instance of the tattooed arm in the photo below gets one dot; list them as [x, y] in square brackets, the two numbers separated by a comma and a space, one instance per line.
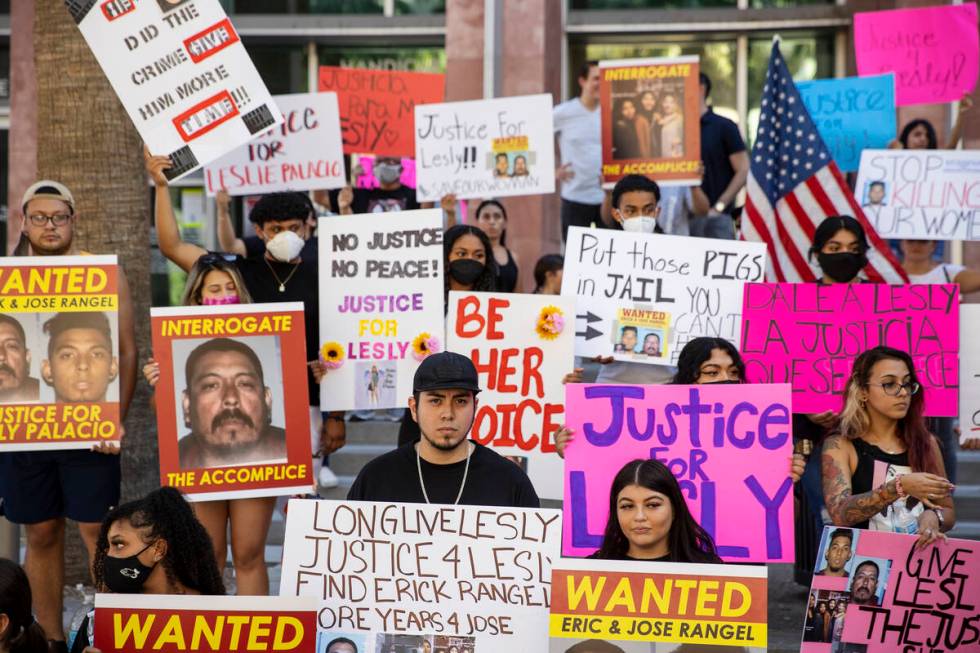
[838, 462]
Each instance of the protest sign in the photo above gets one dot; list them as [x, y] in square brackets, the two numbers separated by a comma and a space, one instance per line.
[852, 114]
[303, 153]
[474, 577]
[651, 124]
[182, 74]
[133, 623]
[522, 350]
[381, 305]
[933, 51]
[808, 335]
[969, 373]
[889, 597]
[485, 148]
[641, 297]
[55, 314]
[232, 411]
[377, 106]
[921, 194]
[728, 445]
[635, 601]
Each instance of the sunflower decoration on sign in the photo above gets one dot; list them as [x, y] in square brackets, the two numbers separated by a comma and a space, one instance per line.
[332, 355]
[423, 345]
[551, 322]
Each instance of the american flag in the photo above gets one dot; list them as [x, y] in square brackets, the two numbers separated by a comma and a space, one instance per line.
[794, 184]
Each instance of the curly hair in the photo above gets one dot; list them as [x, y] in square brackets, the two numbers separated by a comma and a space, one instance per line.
[279, 207]
[696, 352]
[487, 281]
[164, 514]
[23, 634]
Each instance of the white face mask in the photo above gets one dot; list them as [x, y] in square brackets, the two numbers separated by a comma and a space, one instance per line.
[643, 224]
[285, 246]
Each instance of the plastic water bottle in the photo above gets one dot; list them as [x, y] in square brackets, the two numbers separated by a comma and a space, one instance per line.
[88, 602]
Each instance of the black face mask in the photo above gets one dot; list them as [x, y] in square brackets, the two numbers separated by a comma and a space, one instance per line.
[843, 266]
[725, 382]
[126, 575]
[466, 270]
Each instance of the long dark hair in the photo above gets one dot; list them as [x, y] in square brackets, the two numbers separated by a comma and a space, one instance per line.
[488, 280]
[688, 542]
[24, 634]
[484, 204]
[696, 352]
[831, 225]
[168, 516]
[930, 133]
[547, 263]
[855, 420]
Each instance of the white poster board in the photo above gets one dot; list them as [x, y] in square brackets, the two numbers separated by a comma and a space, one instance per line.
[921, 194]
[182, 73]
[969, 373]
[522, 346]
[473, 577]
[641, 297]
[485, 148]
[381, 305]
[303, 153]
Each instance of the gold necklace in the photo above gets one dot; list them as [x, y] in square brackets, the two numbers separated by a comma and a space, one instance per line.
[282, 284]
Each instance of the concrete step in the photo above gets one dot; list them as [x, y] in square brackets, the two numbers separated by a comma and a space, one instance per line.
[372, 432]
[966, 530]
[966, 499]
[968, 467]
[349, 460]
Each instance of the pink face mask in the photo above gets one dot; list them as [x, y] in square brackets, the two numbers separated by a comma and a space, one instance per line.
[224, 299]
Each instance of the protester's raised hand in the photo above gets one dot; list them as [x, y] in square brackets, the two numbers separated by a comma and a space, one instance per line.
[155, 165]
[966, 103]
[575, 376]
[603, 360]
[927, 488]
[151, 372]
[448, 203]
[562, 438]
[796, 466]
[111, 448]
[223, 200]
[319, 370]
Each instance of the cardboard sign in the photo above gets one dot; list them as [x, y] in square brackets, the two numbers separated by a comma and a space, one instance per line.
[921, 194]
[232, 416]
[473, 577]
[485, 148]
[629, 602]
[377, 106]
[381, 305]
[651, 119]
[852, 114]
[303, 153]
[969, 373]
[809, 334]
[728, 445]
[134, 623]
[641, 297]
[933, 51]
[182, 73]
[522, 348]
[56, 313]
[889, 597]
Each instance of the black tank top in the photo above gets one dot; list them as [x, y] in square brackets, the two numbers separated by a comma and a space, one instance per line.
[507, 275]
[875, 468]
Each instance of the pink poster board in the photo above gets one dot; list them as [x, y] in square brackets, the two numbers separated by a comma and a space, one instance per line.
[933, 51]
[808, 335]
[729, 446]
[928, 598]
[367, 179]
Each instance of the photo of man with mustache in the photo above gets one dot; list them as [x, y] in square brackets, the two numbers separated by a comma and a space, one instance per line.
[228, 408]
[16, 383]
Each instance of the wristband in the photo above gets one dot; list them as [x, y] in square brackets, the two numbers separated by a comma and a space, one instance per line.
[898, 487]
[939, 515]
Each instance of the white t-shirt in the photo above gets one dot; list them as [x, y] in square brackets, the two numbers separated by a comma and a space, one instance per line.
[942, 273]
[676, 207]
[580, 141]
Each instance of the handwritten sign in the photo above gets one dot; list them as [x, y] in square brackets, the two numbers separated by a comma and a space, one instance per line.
[485, 148]
[182, 73]
[303, 153]
[133, 623]
[921, 194]
[377, 106]
[641, 297]
[479, 576]
[852, 114]
[381, 305]
[933, 51]
[49, 305]
[728, 445]
[808, 335]
[969, 373]
[894, 598]
[650, 119]
[522, 347]
[256, 353]
[637, 601]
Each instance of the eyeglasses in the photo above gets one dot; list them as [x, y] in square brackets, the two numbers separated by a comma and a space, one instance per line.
[894, 388]
[40, 220]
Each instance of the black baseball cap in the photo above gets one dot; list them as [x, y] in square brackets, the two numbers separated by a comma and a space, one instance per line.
[446, 371]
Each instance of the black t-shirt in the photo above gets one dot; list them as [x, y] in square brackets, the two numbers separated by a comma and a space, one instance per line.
[375, 200]
[720, 139]
[492, 480]
[302, 286]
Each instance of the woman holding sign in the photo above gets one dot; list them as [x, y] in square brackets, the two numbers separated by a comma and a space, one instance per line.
[883, 470]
